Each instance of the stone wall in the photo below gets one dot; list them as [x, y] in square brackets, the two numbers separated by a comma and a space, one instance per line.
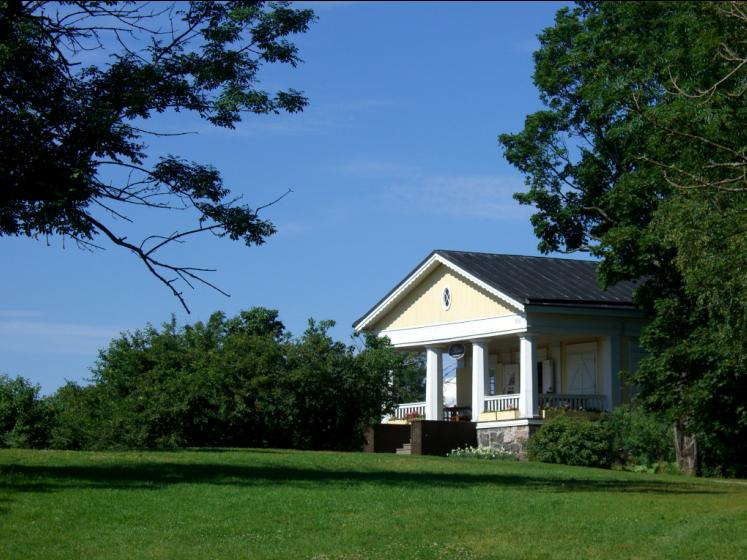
[508, 438]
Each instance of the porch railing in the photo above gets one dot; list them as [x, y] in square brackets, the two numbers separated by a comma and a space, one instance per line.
[573, 402]
[413, 409]
[501, 403]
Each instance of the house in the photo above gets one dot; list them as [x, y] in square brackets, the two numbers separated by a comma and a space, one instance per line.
[530, 335]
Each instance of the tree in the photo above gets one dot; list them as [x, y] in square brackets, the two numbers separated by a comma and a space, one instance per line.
[74, 418]
[408, 382]
[639, 159]
[334, 392]
[73, 158]
[24, 418]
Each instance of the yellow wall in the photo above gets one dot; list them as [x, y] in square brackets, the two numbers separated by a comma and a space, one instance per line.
[422, 305]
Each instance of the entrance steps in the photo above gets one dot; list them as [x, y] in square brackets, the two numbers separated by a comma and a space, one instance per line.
[406, 449]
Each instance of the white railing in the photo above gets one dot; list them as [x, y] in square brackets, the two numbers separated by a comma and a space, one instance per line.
[500, 403]
[573, 402]
[405, 409]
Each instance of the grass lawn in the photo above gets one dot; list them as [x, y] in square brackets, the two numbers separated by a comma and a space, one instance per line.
[284, 504]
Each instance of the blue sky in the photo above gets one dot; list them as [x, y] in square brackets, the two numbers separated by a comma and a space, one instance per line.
[395, 156]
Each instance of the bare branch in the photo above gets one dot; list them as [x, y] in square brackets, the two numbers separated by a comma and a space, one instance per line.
[278, 199]
[150, 263]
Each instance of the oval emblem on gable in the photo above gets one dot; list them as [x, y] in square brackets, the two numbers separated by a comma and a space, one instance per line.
[446, 298]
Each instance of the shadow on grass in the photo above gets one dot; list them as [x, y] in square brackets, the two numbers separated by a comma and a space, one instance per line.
[156, 475]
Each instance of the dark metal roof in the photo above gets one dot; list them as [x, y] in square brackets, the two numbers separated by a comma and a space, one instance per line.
[532, 280]
[536, 280]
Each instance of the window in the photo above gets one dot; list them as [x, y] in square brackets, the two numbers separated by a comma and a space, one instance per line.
[446, 298]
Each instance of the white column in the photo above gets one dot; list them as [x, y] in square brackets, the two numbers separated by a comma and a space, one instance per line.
[434, 384]
[479, 376]
[611, 371]
[528, 399]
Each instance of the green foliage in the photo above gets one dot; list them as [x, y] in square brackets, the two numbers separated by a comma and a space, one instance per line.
[73, 416]
[571, 441]
[639, 158]
[72, 133]
[240, 382]
[639, 438]
[629, 437]
[409, 380]
[24, 419]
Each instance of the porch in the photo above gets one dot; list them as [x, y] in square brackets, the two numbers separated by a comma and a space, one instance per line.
[520, 377]
[500, 407]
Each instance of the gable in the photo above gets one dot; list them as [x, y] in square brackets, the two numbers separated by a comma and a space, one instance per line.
[422, 304]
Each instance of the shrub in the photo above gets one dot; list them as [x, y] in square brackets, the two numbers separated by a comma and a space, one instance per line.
[24, 418]
[75, 419]
[571, 441]
[488, 453]
[639, 438]
[237, 382]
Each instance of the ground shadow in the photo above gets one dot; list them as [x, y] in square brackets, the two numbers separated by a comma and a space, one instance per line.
[155, 475]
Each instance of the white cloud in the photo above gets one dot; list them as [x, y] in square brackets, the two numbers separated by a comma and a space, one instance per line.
[326, 6]
[19, 313]
[474, 196]
[292, 229]
[47, 337]
[412, 189]
[360, 104]
[372, 168]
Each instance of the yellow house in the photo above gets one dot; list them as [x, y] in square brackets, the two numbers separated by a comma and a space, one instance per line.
[530, 334]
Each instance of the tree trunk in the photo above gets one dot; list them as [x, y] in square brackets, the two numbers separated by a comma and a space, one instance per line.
[686, 449]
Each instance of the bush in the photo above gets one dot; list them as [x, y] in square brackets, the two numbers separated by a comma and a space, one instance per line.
[571, 441]
[73, 420]
[469, 452]
[234, 382]
[639, 438]
[24, 418]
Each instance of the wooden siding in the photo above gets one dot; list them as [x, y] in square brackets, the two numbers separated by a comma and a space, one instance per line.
[421, 306]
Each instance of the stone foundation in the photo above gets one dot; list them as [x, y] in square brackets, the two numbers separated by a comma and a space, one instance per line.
[508, 438]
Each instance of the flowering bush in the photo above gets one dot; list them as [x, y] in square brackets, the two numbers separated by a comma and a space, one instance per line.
[410, 416]
[469, 452]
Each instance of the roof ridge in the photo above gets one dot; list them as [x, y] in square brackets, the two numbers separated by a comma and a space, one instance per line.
[513, 255]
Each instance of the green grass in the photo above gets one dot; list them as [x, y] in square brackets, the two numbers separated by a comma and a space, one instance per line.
[283, 504]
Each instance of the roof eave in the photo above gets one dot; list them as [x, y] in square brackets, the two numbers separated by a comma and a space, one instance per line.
[616, 308]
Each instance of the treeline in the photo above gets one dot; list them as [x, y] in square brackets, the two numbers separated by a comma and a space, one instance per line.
[242, 381]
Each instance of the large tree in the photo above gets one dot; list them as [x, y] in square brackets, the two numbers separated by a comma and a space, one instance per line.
[73, 156]
[639, 158]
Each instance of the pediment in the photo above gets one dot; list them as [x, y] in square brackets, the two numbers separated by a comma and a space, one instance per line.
[421, 303]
